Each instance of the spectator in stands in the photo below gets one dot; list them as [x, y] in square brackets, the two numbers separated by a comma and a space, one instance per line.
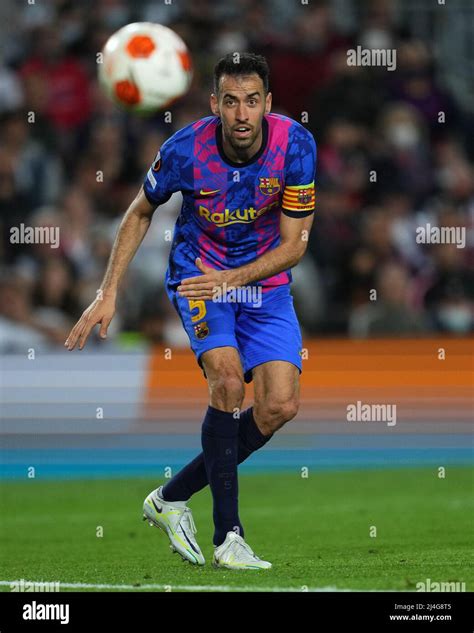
[390, 314]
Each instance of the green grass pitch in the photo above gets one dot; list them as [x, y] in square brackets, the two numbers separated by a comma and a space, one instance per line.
[315, 531]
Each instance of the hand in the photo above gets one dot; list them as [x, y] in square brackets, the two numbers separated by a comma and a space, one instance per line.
[101, 310]
[205, 286]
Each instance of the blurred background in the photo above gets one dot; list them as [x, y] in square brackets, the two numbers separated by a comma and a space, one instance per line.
[131, 406]
[363, 119]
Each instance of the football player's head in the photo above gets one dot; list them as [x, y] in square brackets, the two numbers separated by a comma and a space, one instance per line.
[241, 98]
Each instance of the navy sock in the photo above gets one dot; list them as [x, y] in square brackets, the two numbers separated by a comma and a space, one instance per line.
[193, 477]
[250, 436]
[219, 443]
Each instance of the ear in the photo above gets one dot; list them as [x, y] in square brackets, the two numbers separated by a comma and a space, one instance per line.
[214, 104]
[268, 103]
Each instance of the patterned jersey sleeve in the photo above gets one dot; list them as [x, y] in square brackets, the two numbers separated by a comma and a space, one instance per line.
[163, 177]
[300, 171]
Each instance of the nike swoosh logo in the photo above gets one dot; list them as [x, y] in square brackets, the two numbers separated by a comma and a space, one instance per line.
[186, 536]
[208, 193]
[157, 508]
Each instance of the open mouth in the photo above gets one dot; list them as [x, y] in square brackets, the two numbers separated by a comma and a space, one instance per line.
[243, 131]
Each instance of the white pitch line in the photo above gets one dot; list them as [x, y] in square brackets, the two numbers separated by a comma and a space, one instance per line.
[84, 585]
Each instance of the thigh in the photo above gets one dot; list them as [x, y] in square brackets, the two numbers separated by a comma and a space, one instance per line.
[220, 362]
[269, 332]
[225, 378]
[276, 381]
[208, 324]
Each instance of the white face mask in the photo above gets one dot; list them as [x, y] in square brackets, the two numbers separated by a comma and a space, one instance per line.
[456, 318]
[403, 135]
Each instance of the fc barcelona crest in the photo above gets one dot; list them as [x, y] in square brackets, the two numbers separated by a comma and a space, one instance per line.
[269, 186]
[201, 330]
[305, 196]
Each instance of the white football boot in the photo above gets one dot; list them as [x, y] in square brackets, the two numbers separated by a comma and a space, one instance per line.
[235, 553]
[176, 519]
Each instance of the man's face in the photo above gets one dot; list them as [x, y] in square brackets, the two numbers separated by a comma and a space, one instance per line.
[241, 104]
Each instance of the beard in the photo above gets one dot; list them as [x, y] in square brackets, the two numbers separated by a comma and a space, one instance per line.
[242, 143]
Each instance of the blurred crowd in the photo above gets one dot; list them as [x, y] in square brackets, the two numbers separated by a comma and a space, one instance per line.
[388, 163]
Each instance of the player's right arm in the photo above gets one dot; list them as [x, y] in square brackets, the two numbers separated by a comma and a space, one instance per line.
[162, 180]
[132, 230]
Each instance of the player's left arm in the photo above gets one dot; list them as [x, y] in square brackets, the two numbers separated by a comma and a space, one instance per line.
[294, 232]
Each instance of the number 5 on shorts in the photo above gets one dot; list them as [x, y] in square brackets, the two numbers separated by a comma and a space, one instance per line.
[201, 309]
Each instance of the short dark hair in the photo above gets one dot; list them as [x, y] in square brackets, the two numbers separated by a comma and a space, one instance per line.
[239, 64]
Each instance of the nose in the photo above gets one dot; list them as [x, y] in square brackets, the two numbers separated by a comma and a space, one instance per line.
[241, 113]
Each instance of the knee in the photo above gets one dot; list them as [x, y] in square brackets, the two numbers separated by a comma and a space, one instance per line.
[227, 389]
[283, 411]
[274, 413]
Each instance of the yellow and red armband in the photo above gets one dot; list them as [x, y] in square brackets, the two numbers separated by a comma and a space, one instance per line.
[299, 200]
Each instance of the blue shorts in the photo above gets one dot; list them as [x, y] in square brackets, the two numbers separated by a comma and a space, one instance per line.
[261, 333]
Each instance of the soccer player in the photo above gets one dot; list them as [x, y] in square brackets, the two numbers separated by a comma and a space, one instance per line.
[247, 179]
